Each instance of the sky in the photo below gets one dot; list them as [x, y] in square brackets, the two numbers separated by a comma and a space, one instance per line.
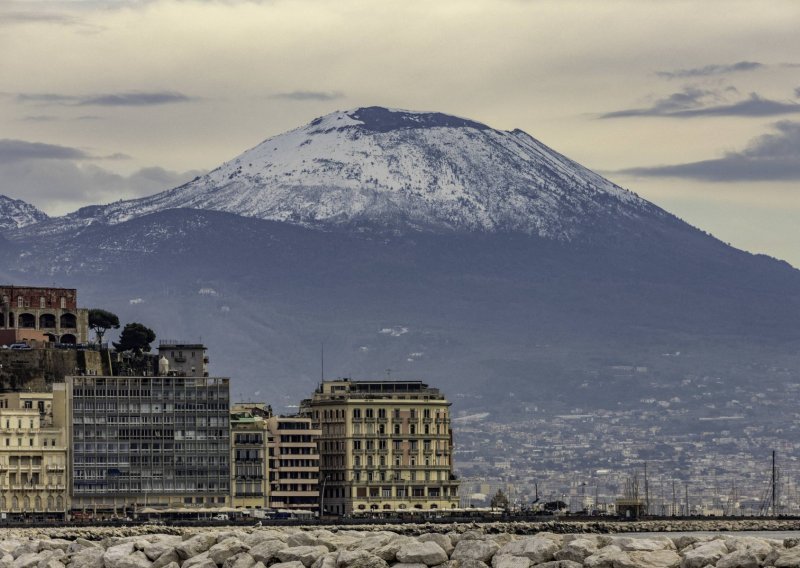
[694, 105]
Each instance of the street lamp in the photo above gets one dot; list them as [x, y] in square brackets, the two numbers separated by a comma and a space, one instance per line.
[322, 497]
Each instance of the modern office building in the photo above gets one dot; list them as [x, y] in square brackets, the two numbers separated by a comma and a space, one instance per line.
[293, 463]
[384, 445]
[146, 442]
[33, 459]
[41, 315]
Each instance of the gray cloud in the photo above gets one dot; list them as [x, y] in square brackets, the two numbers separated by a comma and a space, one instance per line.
[693, 102]
[132, 98]
[771, 157]
[61, 186]
[710, 70]
[309, 96]
[40, 118]
[797, 92]
[11, 18]
[20, 150]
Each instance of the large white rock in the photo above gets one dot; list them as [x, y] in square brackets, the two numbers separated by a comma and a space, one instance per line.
[223, 550]
[266, 550]
[441, 539]
[89, 557]
[704, 554]
[739, 559]
[326, 561]
[305, 554]
[262, 535]
[537, 549]
[655, 558]
[789, 558]
[428, 553]
[166, 558]
[241, 560]
[195, 545]
[577, 549]
[481, 550]
[644, 544]
[301, 539]
[609, 557]
[359, 559]
[135, 560]
[510, 561]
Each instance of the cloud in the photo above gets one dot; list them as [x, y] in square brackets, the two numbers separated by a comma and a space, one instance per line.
[309, 96]
[771, 157]
[693, 102]
[10, 18]
[797, 92]
[40, 118]
[61, 186]
[710, 70]
[132, 98]
[20, 150]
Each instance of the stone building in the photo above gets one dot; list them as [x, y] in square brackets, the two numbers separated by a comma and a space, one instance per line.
[249, 455]
[33, 459]
[146, 442]
[42, 315]
[384, 445]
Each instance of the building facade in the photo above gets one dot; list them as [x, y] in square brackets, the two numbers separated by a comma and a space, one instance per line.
[146, 442]
[42, 315]
[294, 462]
[249, 456]
[184, 358]
[33, 460]
[384, 446]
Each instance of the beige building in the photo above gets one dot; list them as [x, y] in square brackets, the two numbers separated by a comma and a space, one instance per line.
[293, 463]
[249, 455]
[183, 359]
[33, 458]
[384, 445]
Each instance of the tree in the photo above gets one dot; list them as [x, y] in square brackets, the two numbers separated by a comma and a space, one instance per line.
[100, 321]
[135, 337]
[499, 501]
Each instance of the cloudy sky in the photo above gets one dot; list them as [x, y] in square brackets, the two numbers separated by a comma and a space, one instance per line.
[695, 105]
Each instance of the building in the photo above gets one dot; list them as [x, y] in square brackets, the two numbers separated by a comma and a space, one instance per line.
[42, 315]
[384, 446]
[294, 463]
[33, 459]
[275, 460]
[183, 358]
[249, 455]
[146, 442]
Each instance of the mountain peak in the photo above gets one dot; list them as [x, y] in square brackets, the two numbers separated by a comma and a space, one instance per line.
[381, 119]
[15, 213]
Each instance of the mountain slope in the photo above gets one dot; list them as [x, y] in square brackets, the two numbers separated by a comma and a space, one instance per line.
[398, 169]
[15, 213]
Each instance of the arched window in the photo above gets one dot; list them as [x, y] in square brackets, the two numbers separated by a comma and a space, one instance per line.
[26, 502]
[69, 339]
[47, 321]
[27, 321]
[15, 503]
[51, 503]
[38, 503]
[69, 321]
[60, 503]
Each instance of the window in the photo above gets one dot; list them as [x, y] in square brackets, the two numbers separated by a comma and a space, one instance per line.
[20, 302]
[63, 303]
[382, 413]
[357, 413]
[370, 413]
[42, 302]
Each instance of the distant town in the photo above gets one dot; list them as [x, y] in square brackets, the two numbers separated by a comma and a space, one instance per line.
[125, 431]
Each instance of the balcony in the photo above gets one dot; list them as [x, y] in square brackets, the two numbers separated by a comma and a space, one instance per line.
[55, 467]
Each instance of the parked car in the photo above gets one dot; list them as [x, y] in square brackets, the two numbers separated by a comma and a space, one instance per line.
[19, 346]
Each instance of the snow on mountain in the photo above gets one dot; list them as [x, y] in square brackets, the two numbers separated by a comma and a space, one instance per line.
[393, 168]
[15, 213]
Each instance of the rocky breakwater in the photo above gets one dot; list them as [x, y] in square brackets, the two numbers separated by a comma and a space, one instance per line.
[322, 548]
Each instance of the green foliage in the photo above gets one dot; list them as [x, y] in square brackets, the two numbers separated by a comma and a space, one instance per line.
[100, 321]
[135, 337]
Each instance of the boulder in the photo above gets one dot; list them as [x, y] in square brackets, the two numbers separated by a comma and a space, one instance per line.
[301, 539]
[481, 550]
[428, 553]
[116, 552]
[644, 544]
[290, 564]
[703, 554]
[789, 558]
[223, 550]
[155, 548]
[305, 554]
[510, 561]
[241, 560]
[201, 559]
[577, 549]
[137, 559]
[655, 558]
[260, 535]
[27, 560]
[89, 557]
[560, 564]
[611, 556]
[739, 559]
[166, 558]
[195, 545]
[326, 561]
[266, 550]
[537, 549]
[359, 559]
[441, 539]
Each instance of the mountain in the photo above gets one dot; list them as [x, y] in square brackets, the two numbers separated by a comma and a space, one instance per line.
[478, 260]
[15, 213]
[392, 169]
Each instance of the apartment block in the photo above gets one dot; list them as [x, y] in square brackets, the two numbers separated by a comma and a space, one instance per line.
[294, 463]
[146, 442]
[384, 446]
[184, 358]
[33, 459]
[249, 455]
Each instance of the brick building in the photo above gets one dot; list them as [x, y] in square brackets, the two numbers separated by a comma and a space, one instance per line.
[42, 315]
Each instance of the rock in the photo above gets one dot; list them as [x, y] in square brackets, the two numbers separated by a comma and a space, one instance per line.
[389, 550]
[577, 549]
[136, 560]
[789, 558]
[166, 558]
[241, 560]
[223, 550]
[463, 564]
[428, 553]
[407, 565]
[359, 559]
[26, 547]
[27, 560]
[644, 544]
[201, 559]
[739, 559]
[89, 557]
[195, 545]
[259, 536]
[326, 561]
[51, 563]
[301, 539]
[373, 542]
[440, 539]
[115, 553]
[703, 554]
[611, 556]
[560, 564]
[537, 549]
[481, 550]
[655, 558]
[305, 554]
[265, 550]
[510, 561]
[155, 548]
[54, 544]
[290, 564]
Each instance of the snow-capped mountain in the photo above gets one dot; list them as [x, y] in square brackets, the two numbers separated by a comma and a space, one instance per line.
[15, 213]
[391, 168]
